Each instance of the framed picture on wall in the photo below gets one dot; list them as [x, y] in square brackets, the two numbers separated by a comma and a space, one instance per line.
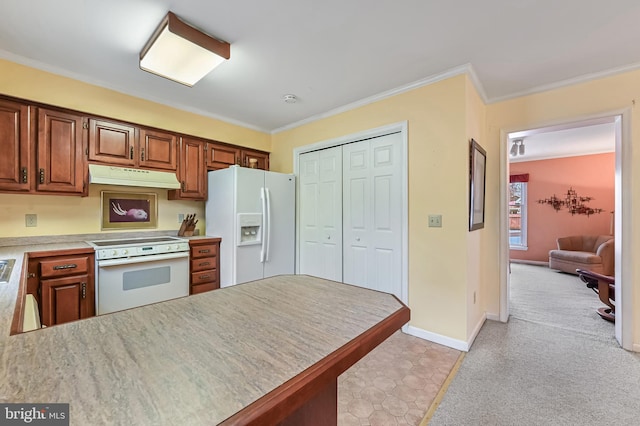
[129, 210]
[477, 179]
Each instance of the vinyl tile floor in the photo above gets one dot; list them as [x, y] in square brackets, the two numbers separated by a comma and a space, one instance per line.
[395, 383]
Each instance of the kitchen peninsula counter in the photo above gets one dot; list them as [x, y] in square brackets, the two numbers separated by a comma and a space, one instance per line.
[255, 352]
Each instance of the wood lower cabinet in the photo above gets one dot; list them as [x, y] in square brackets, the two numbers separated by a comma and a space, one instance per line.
[205, 265]
[64, 284]
[192, 172]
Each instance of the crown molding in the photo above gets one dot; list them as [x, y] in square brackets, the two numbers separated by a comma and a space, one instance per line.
[568, 82]
[462, 69]
[99, 83]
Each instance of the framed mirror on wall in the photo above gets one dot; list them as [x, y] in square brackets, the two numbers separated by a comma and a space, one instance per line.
[477, 180]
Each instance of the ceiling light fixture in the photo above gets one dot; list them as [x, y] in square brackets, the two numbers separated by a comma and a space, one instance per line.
[182, 53]
[517, 148]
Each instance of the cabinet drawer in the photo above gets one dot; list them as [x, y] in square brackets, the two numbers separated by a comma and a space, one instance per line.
[208, 250]
[204, 287]
[204, 264]
[64, 266]
[210, 275]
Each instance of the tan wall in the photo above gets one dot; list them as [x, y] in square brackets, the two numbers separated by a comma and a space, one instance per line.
[565, 105]
[59, 215]
[481, 266]
[438, 182]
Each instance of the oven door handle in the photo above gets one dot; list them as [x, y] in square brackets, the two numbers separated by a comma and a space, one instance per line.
[142, 259]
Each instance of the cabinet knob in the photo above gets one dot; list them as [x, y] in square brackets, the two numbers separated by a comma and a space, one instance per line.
[41, 175]
[24, 175]
[84, 290]
[142, 154]
[131, 153]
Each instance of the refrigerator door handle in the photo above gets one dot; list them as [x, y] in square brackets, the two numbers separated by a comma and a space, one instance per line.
[263, 247]
[268, 230]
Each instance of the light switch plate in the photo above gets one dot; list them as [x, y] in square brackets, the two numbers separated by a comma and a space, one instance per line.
[435, 221]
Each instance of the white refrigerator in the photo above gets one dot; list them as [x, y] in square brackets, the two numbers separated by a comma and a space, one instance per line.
[253, 211]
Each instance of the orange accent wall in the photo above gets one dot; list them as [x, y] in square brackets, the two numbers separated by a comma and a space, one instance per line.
[588, 175]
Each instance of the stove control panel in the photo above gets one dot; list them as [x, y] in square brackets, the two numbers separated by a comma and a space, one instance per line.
[141, 250]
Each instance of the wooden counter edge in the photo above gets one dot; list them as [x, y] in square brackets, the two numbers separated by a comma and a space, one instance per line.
[275, 406]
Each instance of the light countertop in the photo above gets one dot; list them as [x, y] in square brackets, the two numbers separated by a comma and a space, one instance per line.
[194, 360]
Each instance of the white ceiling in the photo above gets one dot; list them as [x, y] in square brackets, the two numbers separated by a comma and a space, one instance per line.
[329, 53]
[581, 138]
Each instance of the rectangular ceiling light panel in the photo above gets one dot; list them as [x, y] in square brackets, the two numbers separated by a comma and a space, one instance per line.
[182, 53]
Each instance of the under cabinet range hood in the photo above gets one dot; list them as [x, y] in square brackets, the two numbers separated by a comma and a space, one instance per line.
[110, 175]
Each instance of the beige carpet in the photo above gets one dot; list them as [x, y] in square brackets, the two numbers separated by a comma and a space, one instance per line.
[556, 299]
[556, 364]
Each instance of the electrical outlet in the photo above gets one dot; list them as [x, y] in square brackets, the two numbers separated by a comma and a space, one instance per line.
[435, 221]
[180, 217]
[30, 220]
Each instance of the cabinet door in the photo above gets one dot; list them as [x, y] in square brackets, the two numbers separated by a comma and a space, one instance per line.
[158, 150]
[61, 164]
[66, 299]
[221, 156]
[255, 159]
[192, 172]
[112, 143]
[15, 146]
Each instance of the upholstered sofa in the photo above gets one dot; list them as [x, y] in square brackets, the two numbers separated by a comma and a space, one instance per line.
[591, 252]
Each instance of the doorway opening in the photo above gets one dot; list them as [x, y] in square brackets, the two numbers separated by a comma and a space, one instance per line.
[526, 237]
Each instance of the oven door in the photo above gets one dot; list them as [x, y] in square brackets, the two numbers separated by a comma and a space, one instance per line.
[137, 281]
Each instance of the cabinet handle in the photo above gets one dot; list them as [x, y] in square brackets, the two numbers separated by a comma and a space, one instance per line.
[24, 175]
[84, 290]
[41, 175]
[142, 154]
[67, 266]
[131, 153]
[182, 185]
[204, 251]
[204, 264]
[204, 277]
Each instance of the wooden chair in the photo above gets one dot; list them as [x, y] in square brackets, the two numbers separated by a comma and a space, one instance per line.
[604, 286]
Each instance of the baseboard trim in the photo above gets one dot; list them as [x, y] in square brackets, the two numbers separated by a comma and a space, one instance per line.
[493, 317]
[636, 347]
[476, 330]
[437, 338]
[530, 262]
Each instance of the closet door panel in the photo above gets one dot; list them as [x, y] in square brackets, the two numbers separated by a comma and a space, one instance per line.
[321, 213]
[372, 214]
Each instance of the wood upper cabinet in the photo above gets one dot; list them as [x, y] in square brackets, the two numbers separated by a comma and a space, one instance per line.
[112, 143]
[254, 159]
[64, 284]
[158, 150]
[16, 141]
[221, 156]
[123, 144]
[61, 165]
[192, 172]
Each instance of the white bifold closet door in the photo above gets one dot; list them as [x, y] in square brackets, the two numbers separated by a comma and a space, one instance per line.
[350, 213]
[321, 213]
[372, 213]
